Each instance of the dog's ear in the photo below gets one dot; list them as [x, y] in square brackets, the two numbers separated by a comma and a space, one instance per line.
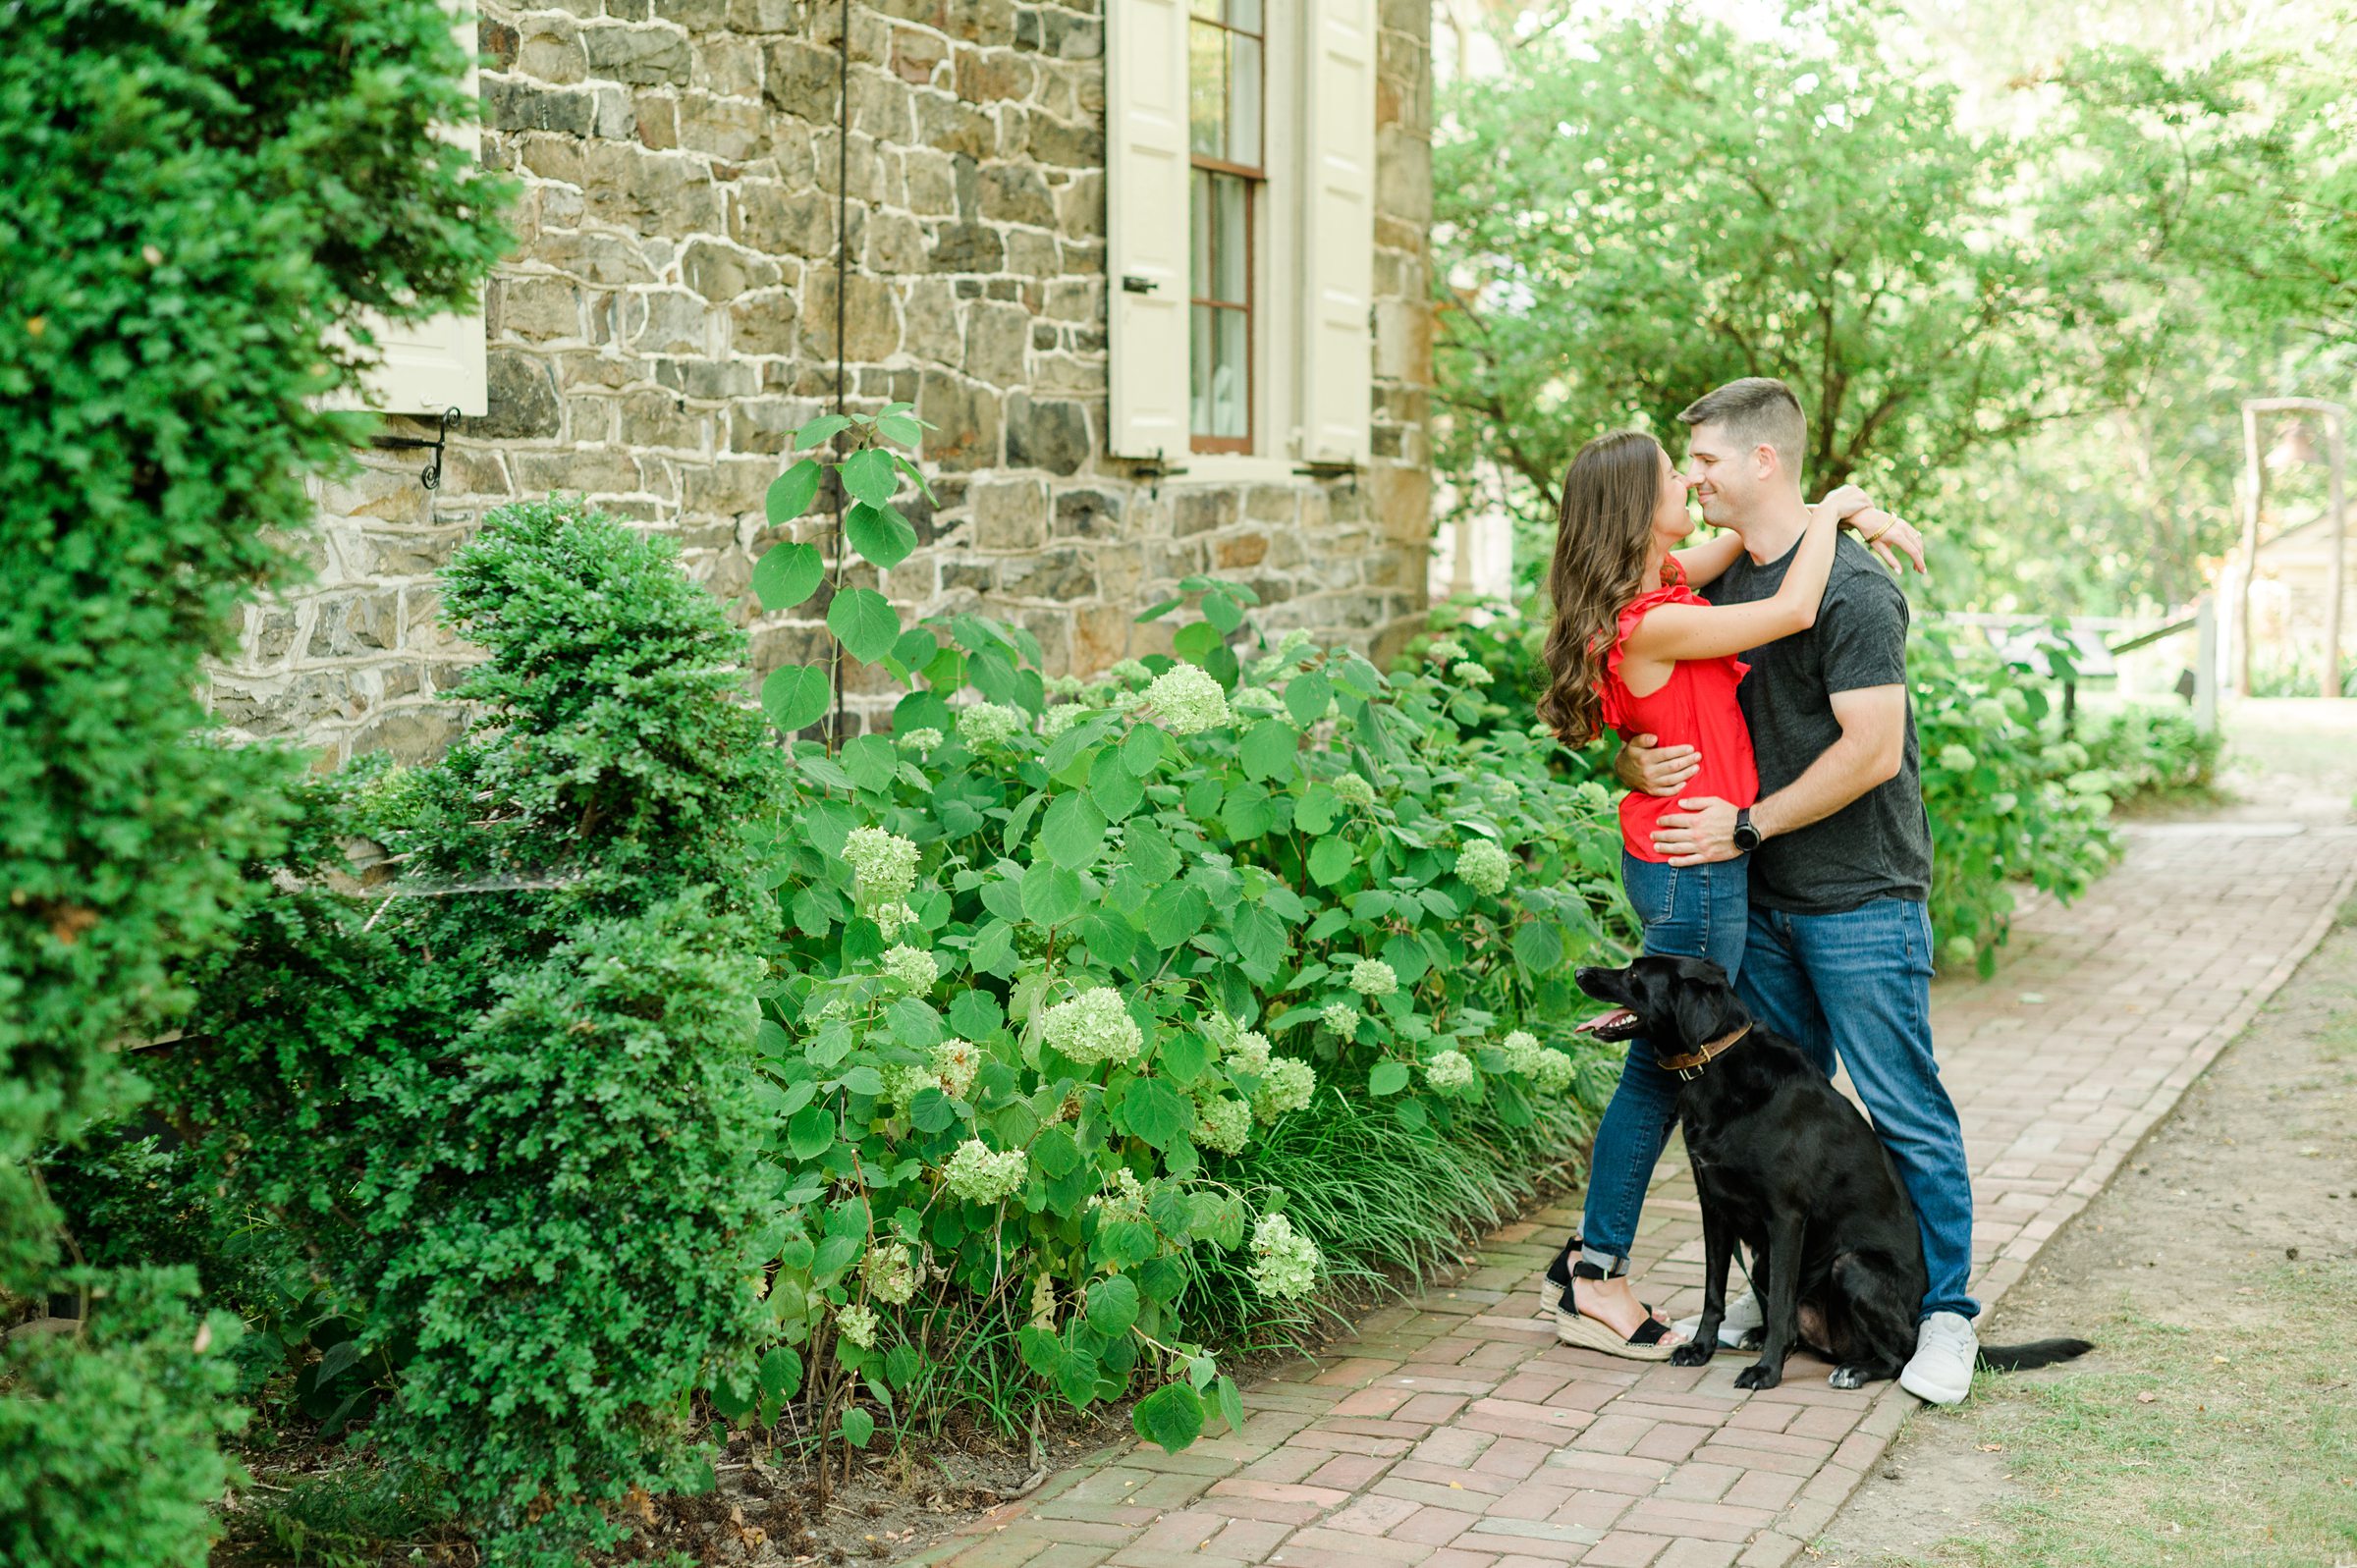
[1702, 1000]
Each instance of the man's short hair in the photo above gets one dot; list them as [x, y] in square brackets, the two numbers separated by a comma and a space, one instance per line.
[1759, 412]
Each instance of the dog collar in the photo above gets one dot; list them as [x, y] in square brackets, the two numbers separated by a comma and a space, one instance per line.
[1689, 1066]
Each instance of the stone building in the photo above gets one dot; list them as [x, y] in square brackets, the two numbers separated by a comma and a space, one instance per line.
[1157, 272]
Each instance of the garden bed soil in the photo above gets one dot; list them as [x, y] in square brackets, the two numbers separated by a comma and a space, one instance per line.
[2215, 1424]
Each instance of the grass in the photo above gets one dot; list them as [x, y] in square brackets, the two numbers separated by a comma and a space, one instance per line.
[341, 1518]
[2216, 1451]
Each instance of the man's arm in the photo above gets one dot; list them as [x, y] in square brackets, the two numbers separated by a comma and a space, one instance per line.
[1869, 751]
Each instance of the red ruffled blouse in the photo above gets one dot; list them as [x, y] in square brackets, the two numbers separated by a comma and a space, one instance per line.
[1695, 707]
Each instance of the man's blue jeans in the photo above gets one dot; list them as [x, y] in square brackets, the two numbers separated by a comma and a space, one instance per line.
[1688, 912]
[1859, 983]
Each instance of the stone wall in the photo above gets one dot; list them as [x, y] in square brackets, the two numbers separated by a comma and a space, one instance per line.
[668, 315]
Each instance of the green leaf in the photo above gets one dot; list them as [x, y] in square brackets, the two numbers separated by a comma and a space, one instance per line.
[787, 574]
[857, 1427]
[781, 1376]
[931, 1111]
[869, 477]
[1112, 1306]
[1270, 749]
[863, 621]
[1041, 1348]
[797, 695]
[1111, 939]
[879, 534]
[1232, 1404]
[1141, 749]
[1195, 640]
[1537, 945]
[1073, 832]
[1157, 1112]
[812, 1133]
[826, 427]
[1055, 1152]
[900, 428]
[1387, 1078]
[1171, 1416]
[1158, 611]
[1331, 860]
[1052, 894]
[1176, 911]
[1223, 612]
[792, 492]
[835, 1255]
[733, 1400]
[975, 1014]
[1306, 696]
[1114, 788]
[1182, 1057]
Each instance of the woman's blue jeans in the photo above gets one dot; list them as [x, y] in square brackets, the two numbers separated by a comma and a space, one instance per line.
[1688, 912]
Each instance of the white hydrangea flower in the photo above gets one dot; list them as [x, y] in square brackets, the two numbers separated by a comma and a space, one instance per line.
[884, 862]
[1224, 1124]
[1484, 866]
[1287, 1084]
[1523, 1052]
[888, 1273]
[1093, 1026]
[1287, 1262]
[1122, 1198]
[954, 1064]
[1129, 672]
[978, 1175]
[1255, 698]
[1187, 700]
[986, 723]
[1354, 790]
[903, 1084]
[1063, 685]
[891, 917]
[1372, 977]
[1553, 1071]
[1449, 1072]
[912, 967]
[858, 1326]
[1446, 650]
[1249, 1053]
[925, 740]
[1057, 720]
[1341, 1017]
[1471, 674]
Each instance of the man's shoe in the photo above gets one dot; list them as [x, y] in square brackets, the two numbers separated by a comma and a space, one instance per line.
[1945, 1348]
[1743, 1315]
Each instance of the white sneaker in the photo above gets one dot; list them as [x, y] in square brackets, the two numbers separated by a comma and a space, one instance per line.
[1945, 1348]
[1743, 1315]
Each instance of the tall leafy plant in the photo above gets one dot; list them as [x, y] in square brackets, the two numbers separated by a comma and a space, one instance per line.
[191, 197]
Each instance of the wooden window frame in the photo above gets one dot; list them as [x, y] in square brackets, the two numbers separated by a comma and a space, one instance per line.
[1255, 178]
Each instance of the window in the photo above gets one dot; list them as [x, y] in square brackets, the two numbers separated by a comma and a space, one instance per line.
[1240, 232]
[1227, 94]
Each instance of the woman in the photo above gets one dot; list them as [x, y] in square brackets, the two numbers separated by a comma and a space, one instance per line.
[1635, 649]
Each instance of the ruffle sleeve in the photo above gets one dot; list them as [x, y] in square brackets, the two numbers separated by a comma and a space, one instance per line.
[1616, 695]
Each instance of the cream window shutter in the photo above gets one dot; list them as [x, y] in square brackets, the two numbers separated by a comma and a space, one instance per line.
[437, 363]
[1338, 227]
[1147, 225]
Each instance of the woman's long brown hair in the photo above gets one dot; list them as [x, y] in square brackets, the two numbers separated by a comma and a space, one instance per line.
[1604, 533]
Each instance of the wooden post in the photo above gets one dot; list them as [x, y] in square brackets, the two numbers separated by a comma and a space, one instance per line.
[2205, 663]
[2329, 687]
[2251, 487]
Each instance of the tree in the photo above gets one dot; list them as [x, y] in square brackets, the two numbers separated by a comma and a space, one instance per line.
[1630, 219]
[192, 197]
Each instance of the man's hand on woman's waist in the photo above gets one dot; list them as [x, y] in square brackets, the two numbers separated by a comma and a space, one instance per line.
[1654, 769]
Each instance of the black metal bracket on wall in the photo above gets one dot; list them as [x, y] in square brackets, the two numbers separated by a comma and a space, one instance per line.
[430, 475]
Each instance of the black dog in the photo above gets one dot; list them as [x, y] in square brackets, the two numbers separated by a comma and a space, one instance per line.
[1789, 1168]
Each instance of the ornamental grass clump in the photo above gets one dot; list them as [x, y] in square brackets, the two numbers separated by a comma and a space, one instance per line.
[503, 1104]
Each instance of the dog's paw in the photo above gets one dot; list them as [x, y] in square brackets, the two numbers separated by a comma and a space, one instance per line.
[1851, 1377]
[1759, 1375]
[1696, 1354]
[1752, 1339]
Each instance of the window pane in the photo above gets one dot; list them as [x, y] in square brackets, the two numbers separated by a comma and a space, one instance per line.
[1199, 219]
[1228, 391]
[1198, 369]
[1207, 90]
[1207, 9]
[1244, 100]
[1244, 13]
[1228, 193]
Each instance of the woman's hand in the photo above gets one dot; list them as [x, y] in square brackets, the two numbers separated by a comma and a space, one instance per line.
[1846, 502]
[1888, 537]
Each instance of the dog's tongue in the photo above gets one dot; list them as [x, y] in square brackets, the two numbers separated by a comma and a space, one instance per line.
[1607, 1020]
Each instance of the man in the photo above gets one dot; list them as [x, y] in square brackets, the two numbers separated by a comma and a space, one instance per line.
[1838, 958]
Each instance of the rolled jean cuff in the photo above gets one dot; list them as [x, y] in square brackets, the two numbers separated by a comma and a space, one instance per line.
[1613, 1268]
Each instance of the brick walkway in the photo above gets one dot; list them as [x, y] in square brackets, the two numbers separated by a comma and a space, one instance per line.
[1455, 1433]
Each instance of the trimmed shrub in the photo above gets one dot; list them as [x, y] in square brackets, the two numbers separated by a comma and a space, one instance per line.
[2152, 752]
[503, 1101]
[190, 197]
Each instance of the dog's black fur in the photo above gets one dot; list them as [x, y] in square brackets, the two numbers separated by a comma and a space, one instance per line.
[1789, 1168]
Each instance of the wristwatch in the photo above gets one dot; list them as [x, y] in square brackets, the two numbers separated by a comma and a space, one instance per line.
[1747, 836]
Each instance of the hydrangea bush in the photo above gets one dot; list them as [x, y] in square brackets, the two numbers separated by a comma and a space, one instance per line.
[1060, 951]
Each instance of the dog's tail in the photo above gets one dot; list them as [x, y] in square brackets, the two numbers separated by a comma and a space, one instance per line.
[2036, 1353]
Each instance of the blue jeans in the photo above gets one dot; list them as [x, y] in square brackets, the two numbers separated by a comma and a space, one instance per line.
[1859, 983]
[1690, 912]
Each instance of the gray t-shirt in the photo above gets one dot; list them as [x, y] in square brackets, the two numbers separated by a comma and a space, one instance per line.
[1880, 845]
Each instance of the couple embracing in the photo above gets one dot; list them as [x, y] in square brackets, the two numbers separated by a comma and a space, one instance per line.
[1775, 823]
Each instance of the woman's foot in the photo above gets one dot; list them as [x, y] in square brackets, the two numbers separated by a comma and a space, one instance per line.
[1614, 1303]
